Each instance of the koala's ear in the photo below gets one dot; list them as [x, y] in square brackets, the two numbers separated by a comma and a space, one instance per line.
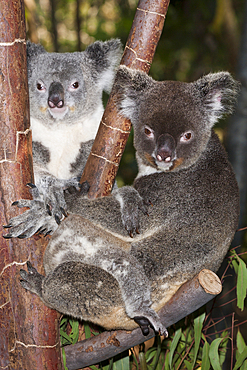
[105, 58]
[34, 49]
[218, 93]
[130, 87]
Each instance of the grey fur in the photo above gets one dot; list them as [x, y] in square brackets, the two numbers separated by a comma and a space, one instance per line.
[192, 220]
[65, 92]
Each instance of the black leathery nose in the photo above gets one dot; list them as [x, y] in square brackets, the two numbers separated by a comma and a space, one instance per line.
[165, 148]
[56, 95]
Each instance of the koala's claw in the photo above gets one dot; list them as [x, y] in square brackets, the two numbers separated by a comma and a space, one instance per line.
[57, 219]
[31, 280]
[7, 236]
[144, 324]
[31, 185]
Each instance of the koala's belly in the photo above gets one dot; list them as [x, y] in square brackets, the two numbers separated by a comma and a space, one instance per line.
[64, 142]
[78, 239]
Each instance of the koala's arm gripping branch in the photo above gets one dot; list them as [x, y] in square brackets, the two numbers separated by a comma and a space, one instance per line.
[189, 297]
[102, 165]
[29, 330]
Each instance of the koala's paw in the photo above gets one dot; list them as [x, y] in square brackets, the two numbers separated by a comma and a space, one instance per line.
[131, 204]
[150, 318]
[38, 218]
[31, 280]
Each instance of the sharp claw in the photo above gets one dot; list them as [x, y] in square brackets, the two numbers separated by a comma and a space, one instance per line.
[137, 231]
[165, 333]
[7, 226]
[7, 236]
[31, 185]
[63, 212]
[57, 219]
[130, 234]
[23, 236]
[48, 208]
[48, 232]
[15, 203]
[40, 230]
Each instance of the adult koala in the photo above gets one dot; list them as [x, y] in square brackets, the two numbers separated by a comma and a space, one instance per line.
[65, 92]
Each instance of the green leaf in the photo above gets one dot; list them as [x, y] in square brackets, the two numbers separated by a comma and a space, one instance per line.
[66, 336]
[241, 358]
[205, 356]
[74, 334]
[214, 354]
[241, 284]
[240, 343]
[198, 323]
[87, 330]
[122, 364]
[64, 359]
[174, 344]
[188, 364]
[142, 359]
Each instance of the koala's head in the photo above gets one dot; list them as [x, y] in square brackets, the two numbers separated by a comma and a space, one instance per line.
[69, 86]
[173, 120]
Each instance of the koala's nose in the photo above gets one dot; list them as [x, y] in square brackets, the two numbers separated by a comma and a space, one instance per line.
[56, 95]
[165, 148]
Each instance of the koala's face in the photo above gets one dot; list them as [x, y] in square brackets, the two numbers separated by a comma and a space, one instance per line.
[173, 120]
[57, 87]
[170, 133]
[68, 86]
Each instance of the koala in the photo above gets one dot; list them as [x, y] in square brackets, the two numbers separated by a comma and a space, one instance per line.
[65, 92]
[93, 270]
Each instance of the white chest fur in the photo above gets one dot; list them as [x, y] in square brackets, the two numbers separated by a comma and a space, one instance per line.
[64, 141]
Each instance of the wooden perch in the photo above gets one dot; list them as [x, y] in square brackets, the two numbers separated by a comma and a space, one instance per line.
[102, 165]
[29, 330]
[189, 297]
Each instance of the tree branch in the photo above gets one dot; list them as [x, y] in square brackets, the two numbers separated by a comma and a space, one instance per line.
[102, 165]
[189, 297]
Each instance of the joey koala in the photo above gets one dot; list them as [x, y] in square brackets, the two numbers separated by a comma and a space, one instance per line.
[65, 92]
[93, 270]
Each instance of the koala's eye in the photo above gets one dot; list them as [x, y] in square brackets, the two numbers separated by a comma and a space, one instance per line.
[186, 137]
[148, 132]
[75, 85]
[40, 86]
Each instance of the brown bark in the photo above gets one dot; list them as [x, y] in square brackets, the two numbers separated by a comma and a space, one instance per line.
[190, 296]
[102, 165]
[29, 330]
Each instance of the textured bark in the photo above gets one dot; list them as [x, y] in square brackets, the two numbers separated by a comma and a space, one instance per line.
[192, 295]
[102, 165]
[29, 330]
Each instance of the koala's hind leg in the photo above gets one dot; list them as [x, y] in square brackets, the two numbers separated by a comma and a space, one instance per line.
[134, 285]
[77, 289]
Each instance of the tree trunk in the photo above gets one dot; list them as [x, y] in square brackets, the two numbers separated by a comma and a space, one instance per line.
[29, 330]
[102, 165]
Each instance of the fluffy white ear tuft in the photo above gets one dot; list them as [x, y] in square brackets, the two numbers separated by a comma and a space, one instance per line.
[218, 93]
[130, 86]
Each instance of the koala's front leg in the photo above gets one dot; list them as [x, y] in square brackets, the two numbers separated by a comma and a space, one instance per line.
[37, 218]
[131, 204]
[123, 207]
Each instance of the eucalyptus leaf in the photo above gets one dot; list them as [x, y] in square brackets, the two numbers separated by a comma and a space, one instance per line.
[214, 354]
[174, 344]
